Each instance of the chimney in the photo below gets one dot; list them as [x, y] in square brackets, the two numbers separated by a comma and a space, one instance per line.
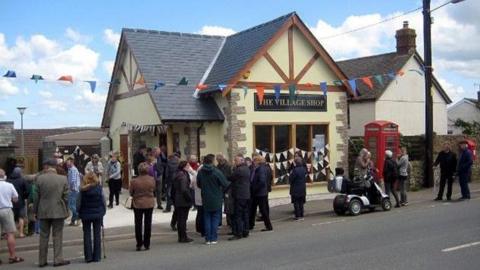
[406, 40]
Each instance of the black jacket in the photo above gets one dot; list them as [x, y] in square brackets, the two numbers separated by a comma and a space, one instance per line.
[172, 166]
[226, 169]
[181, 185]
[390, 170]
[161, 165]
[465, 162]
[240, 179]
[138, 158]
[21, 187]
[447, 161]
[259, 185]
[298, 182]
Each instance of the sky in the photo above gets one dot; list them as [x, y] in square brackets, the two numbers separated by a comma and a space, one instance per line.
[80, 38]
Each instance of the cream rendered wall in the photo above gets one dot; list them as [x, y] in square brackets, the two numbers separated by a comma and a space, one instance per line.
[138, 110]
[213, 139]
[222, 103]
[465, 110]
[404, 103]
[360, 114]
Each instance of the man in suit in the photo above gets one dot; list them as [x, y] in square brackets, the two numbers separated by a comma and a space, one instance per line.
[50, 208]
[464, 169]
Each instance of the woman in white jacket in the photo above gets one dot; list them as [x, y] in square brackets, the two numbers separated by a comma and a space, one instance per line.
[198, 201]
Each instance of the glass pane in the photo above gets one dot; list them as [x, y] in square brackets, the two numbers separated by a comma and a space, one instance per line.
[302, 133]
[372, 147]
[263, 138]
[282, 145]
[319, 158]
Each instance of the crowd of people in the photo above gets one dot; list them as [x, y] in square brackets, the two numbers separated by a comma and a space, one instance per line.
[212, 188]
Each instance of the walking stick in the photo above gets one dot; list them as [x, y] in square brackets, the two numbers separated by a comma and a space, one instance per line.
[103, 242]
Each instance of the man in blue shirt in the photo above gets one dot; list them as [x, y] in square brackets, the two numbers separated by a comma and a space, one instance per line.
[464, 169]
[74, 179]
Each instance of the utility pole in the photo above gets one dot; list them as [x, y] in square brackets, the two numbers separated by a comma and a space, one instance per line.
[427, 48]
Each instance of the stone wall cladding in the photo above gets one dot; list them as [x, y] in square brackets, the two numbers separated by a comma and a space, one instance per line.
[234, 126]
[342, 130]
[191, 143]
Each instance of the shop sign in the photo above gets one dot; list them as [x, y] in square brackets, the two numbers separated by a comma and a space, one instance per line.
[301, 103]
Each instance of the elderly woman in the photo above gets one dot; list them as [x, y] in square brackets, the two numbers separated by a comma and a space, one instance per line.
[142, 190]
[298, 187]
[183, 200]
[96, 167]
[91, 209]
[403, 175]
[390, 175]
[361, 164]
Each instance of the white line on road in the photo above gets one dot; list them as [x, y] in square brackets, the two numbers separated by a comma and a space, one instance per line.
[461, 247]
[328, 222]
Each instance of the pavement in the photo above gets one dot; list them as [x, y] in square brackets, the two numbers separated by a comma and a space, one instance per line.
[119, 220]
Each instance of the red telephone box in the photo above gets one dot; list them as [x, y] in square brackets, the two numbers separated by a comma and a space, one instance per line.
[379, 137]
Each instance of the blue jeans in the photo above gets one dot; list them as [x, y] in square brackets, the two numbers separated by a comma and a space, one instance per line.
[211, 220]
[72, 204]
[463, 180]
[92, 253]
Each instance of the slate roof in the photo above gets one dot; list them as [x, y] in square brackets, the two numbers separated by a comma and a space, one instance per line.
[169, 56]
[239, 48]
[376, 64]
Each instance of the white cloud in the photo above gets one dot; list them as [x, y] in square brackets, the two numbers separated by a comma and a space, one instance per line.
[2, 113]
[111, 38]
[108, 66]
[76, 37]
[56, 105]
[216, 31]
[45, 94]
[7, 88]
[455, 92]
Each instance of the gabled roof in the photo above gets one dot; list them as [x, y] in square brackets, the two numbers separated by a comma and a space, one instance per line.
[169, 56]
[239, 48]
[371, 65]
[380, 64]
[84, 137]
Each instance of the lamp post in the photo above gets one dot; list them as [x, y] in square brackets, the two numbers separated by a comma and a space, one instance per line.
[22, 111]
[427, 48]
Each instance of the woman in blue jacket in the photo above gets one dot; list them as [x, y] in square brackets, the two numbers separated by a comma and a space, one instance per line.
[91, 209]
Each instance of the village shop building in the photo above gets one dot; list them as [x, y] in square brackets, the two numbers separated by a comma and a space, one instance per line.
[259, 92]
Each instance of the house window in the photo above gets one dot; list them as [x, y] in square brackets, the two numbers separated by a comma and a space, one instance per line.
[278, 143]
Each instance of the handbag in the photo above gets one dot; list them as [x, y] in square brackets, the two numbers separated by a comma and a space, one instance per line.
[129, 202]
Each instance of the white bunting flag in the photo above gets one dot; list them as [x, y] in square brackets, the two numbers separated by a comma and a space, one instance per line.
[285, 153]
[322, 151]
[270, 155]
[324, 172]
[303, 153]
[279, 165]
[311, 176]
[278, 156]
[315, 166]
[86, 157]
[291, 151]
[276, 180]
[321, 162]
[327, 147]
[285, 164]
[309, 154]
[272, 166]
[326, 159]
[258, 151]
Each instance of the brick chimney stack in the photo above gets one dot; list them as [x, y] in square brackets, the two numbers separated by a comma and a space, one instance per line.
[406, 40]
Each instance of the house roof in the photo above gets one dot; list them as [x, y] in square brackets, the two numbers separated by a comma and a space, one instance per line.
[380, 64]
[239, 48]
[169, 56]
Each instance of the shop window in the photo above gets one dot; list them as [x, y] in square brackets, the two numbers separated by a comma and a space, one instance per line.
[263, 138]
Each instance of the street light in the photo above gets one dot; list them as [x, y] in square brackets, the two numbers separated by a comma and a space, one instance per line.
[22, 111]
[427, 48]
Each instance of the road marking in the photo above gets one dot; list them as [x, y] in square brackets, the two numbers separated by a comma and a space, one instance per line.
[461, 247]
[328, 222]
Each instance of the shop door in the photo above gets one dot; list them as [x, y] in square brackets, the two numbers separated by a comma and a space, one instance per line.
[125, 160]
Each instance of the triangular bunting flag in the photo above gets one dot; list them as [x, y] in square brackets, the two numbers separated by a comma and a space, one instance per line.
[260, 93]
[311, 176]
[276, 180]
[309, 154]
[326, 159]
[400, 73]
[315, 166]
[271, 155]
[338, 82]
[245, 91]
[303, 153]
[285, 153]
[379, 79]
[324, 88]
[278, 156]
[277, 89]
[36, 78]
[324, 172]
[327, 147]
[258, 151]
[321, 163]
[222, 87]
[66, 78]
[10, 74]
[93, 85]
[391, 75]
[279, 165]
[201, 86]
[322, 151]
[368, 82]
[353, 85]
[272, 166]
[292, 89]
[291, 151]
[183, 81]
[158, 84]
[285, 164]
[140, 81]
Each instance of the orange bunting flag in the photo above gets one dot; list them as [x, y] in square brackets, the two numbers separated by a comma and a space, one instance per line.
[260, 93]
[308, 84]
[368, 82]
[202, 86]
[140, 81]
[400, 73]
[66, 78]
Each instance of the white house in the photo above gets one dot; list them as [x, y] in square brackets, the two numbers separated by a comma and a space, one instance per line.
[467, 109]
[400, 100]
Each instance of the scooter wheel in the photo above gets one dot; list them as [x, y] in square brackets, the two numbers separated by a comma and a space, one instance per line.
[355, 207]
[386, 204]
